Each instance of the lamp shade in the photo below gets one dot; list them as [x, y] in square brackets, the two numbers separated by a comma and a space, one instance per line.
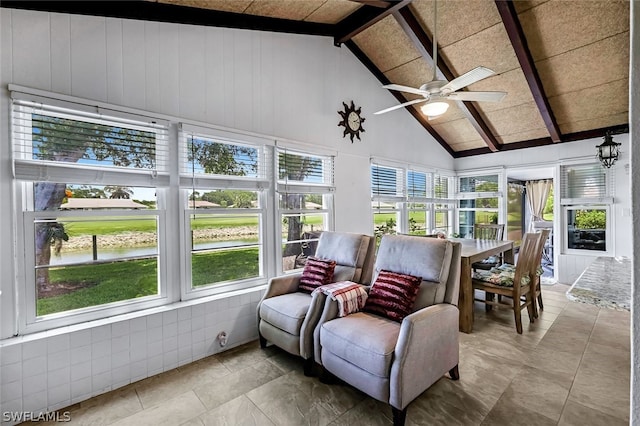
[434, 108]
[608, 151]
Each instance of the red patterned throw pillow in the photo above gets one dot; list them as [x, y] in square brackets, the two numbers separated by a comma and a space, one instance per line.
[393, 295]
[316, 272]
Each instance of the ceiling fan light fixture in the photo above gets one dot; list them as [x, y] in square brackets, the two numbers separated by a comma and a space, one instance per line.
[434, 109]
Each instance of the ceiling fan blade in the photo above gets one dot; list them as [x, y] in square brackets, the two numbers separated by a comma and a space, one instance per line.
[415, 101]
[467, 78]
[477, 96]
[407, 89]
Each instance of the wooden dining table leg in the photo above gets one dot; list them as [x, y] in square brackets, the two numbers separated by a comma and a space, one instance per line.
[508, 256]
[465, 300]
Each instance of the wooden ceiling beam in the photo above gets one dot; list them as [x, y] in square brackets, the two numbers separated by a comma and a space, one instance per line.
[532, 143]
[373, 69]
[423, 44]
[363, 18]
[519, 42]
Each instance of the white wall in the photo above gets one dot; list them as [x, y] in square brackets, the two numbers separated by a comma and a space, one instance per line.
[569, 267]
[277, 85]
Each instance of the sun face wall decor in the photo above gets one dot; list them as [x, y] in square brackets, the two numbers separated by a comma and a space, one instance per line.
[352, 120]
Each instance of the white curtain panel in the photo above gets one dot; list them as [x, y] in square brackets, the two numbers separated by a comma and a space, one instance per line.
[537, 193]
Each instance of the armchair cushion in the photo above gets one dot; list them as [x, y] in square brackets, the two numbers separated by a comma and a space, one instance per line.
[316, 272]
[393, 295]
[364, 340]
[287, 312]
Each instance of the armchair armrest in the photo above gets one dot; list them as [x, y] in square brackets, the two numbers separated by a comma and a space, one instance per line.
[329, 312]
[427, 348]
[282, 285]
[278, 286]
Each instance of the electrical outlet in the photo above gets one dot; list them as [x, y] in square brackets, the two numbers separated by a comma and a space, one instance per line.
[222, 338]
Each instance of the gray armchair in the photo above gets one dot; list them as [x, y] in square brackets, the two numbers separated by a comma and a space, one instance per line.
[287, 317]
[390, 361]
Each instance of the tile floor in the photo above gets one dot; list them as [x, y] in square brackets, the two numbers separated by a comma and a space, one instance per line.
[569, 368]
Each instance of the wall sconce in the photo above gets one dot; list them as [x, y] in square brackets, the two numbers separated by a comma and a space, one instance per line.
[608, 151]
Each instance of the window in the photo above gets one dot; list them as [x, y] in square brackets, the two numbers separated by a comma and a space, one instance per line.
[587, 228]
[411, 201]
[388, 196]
[586, 197]
[111, 223]
[515, 212]
[479, 202]
[88, 188]
[430, 203]
[443, 203]
[419, 214]
[305, 203]
[223, 188]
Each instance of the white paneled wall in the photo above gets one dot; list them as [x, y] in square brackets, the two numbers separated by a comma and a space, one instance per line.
[281, 86]
[53, 370]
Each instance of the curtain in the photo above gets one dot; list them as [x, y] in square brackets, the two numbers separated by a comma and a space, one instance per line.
[537, 193]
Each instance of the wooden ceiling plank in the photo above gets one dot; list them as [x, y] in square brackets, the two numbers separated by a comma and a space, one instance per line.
[511, 23]
[362, 19]
[163, 12]
[423, 43]
[353, 47]
[375, 3]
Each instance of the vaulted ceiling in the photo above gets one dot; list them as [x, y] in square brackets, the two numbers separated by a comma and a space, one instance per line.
[564, 64]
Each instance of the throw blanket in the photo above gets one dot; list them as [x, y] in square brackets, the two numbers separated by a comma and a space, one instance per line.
[349, 295]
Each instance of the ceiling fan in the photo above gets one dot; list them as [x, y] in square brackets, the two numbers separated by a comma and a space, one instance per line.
[436, 92]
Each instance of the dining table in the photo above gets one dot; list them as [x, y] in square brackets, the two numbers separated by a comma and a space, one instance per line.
[475, 250]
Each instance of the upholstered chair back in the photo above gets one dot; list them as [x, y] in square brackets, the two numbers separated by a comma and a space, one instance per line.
[435, 260]
[353, 254]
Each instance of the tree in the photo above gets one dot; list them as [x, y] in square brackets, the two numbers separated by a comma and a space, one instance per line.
[86, 191]
[119, 192]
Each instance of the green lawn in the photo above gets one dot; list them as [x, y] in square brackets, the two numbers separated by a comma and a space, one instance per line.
[106, 227]
[124, 280]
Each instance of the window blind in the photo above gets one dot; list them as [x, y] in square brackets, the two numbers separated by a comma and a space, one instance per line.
[416, 185]
[589, 182]
[387, 183]
[304, 173]
[206, 159]
[52, 143]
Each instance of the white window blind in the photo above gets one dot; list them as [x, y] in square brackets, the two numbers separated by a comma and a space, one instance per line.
[387, 183]
[206, 158]
[53, 143]
[417, 185]
[589, 183]
[301, 172]
[442, 187]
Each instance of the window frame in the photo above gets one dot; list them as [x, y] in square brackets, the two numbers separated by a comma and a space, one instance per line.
[190, 181]
[608, 230]
[284, 186]
[603, 200]
[28, 171]
[477, 195]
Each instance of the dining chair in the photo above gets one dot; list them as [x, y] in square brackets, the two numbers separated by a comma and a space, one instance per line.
[511, 282]
[488, 231]
[536, 287]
